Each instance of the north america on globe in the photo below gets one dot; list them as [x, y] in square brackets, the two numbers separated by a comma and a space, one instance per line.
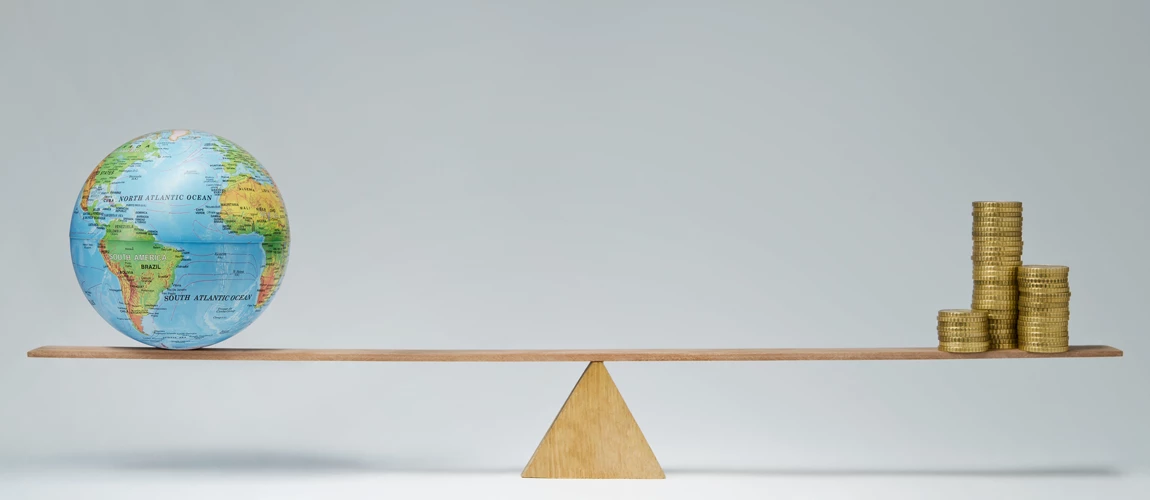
[179, 239]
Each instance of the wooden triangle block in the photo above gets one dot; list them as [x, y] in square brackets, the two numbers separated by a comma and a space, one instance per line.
[594, 436]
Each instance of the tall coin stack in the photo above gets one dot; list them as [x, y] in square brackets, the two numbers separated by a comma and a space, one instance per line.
[962, 330]
[997, 255]
[1043, 308]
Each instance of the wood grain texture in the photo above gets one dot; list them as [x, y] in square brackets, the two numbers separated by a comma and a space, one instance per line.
[404, 355]
[594, 436]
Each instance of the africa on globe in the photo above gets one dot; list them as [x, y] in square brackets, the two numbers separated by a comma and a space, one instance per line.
[179, 239]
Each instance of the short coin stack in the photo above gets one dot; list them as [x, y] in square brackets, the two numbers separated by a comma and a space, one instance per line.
[997, 254]
[962, 330]
[1043, 308]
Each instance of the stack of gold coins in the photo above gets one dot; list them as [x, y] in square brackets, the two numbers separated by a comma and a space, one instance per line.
[997, 255]
[1043, 308]
[962, 330]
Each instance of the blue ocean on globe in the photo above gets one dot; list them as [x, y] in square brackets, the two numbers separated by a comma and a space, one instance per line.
[179, 239]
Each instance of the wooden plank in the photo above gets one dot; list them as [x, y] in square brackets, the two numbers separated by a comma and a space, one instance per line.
[403, 355]
[594, 436]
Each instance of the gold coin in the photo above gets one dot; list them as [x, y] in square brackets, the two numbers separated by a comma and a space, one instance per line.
[978, 296]
[979, 227]
[1050, 326]
[993, 218]
[1030, 315]
[962, 332]
[1031, 301]
[995, 283]
[993, 305]
[1039, 270]
[977, 346]
[1029, 283]
[1001, 317]
[961, 313]
[1043, 336]
[1047, 268]
[1060, 343]
[1042, 294]
[999, 259]
[1000, 245]
[996, 213]
[1043, 329]
[964, 350]
[994, 240]
[995, 261]
[1044, 350]
[1002, 289]
[1000, 252]
[996, 233]
[1027, 303]
[1043, 289]
[1041, 307]
[964, 324]
[1052, 300]
[996, 251]
[990, 251]
[993, 267]
[950, 341]
[996, 223]
[981, 301]
[992, 229]
[958, 336]
[1008, 293]
[1000, 273]
[996, 204]
[1065, 320]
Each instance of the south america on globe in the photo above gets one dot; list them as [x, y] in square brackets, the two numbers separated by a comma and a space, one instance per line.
[179, 239]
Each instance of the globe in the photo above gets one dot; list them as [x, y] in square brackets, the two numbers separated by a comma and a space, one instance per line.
[179, 239]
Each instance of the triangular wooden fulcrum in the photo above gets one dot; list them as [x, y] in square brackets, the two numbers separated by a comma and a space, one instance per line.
[594, 436]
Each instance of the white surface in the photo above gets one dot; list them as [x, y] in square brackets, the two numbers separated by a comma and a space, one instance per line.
[131, 485]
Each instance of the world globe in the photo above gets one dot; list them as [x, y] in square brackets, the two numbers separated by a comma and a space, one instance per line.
[179, 239]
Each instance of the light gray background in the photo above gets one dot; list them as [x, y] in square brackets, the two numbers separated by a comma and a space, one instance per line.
[597, 175]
